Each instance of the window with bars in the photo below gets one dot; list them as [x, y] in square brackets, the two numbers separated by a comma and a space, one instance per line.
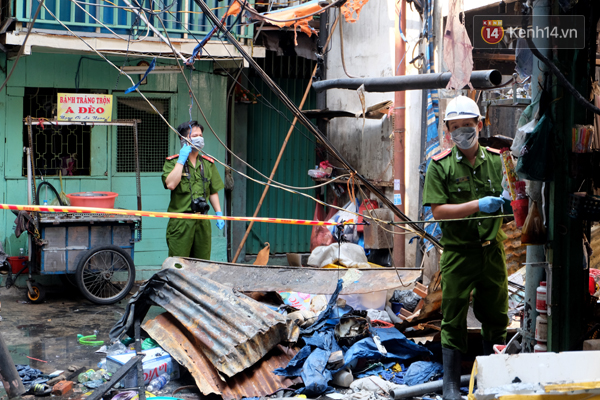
[153, 134]
[64, 148]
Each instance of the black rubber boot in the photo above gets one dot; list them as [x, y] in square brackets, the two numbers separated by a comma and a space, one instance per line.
[451, 374]
[488, 347]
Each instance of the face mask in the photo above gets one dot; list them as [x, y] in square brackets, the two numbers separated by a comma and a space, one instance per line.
[465, 137]
[198, 141]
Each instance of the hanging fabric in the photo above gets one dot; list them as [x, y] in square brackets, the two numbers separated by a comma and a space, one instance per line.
[458, 51]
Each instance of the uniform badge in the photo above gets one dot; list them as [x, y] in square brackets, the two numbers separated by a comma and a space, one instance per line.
[462, 179]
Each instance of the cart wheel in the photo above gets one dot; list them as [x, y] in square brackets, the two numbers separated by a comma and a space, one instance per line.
[39, 293]
[68, 280]
[105, 274]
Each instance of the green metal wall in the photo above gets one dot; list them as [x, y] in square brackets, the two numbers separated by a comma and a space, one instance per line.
[55, 70]
[267, 130]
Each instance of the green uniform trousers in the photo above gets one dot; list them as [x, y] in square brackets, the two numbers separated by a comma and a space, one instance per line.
[483, 271]
[189, 238]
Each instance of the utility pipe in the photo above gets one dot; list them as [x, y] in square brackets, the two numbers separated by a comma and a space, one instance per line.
[535, 254]
[398, 255]
[424, 388]
[8, 373]
[479, 79]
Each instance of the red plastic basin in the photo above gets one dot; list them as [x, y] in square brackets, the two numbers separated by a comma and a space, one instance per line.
[93, 199]
[16, 263]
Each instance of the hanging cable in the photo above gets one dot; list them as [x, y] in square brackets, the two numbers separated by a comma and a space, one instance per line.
[22, 48]
[310, 126]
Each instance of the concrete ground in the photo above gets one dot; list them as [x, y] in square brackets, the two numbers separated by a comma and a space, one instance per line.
[44, 336]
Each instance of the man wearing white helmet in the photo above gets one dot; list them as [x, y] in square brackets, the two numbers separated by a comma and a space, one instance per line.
[466, 181]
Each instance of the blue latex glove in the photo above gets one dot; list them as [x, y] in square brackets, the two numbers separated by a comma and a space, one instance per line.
[184, 153]
[220, 222]
[490, 204]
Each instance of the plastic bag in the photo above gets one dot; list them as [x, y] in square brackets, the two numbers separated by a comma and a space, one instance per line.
[519, 142]
[535, 162]
[350, 231]
[534, 231]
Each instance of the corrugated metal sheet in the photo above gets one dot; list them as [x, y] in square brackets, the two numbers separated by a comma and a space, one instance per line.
[267, 129]
[232, 330]
[257, 380]
[254, 278]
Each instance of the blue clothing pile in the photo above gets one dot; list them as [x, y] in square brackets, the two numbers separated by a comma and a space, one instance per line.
[310, 363]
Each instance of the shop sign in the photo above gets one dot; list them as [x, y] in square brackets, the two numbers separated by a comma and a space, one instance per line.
[84, 107]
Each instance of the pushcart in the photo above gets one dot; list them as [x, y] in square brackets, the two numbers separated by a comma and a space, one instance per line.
[93, 252]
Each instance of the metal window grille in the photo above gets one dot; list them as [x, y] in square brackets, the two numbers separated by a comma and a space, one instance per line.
[153, 134]
[66, 147]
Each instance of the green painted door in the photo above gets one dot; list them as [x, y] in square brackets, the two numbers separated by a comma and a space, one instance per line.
[266, 133]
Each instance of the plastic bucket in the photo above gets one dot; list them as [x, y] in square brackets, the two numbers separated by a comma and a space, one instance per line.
[520, 209]
[396, 307]
[16, 263]
[93, 199]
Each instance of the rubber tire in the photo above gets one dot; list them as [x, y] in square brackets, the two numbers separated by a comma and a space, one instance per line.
[81, 266]
[40, 291]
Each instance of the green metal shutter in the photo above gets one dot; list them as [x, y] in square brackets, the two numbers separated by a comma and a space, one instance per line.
[267, 130]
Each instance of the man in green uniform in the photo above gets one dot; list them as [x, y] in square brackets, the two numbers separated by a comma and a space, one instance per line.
[466, 181]
[189, 178]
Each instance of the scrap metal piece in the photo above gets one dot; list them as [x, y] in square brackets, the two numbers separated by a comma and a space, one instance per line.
[257, 380]
[232, 330]
[116, 378]
[248, 278]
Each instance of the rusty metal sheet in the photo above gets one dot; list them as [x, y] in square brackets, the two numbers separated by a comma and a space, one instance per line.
[232, 330]
[248, 278]
[257, 380]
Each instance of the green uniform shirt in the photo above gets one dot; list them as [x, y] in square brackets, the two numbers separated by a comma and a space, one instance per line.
[453, 180]
[181, 200]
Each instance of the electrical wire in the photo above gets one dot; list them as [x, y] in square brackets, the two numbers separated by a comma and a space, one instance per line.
[185, 138]
[342, 52]
[564, 82]
[173, 129]
[260, 98]
[22, 49]
[311, 127]
[229, 167]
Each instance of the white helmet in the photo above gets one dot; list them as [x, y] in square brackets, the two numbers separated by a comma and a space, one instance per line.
[461, 107]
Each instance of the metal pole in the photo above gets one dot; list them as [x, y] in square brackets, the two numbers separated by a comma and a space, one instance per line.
[535, 254]
[398, 256]
[138, 183]
[8, 373]
[283, 146]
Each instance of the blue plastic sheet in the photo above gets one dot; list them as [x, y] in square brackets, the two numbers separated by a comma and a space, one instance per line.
[326, 314]
[397, 345]
[311, 361]
[421, 372]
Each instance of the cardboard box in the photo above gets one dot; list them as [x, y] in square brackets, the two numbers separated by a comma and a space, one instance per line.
[155, 362]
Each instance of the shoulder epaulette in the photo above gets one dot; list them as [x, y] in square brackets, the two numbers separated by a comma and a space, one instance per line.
[492, 150]
[209, 159]
[442, 155]
[172, 157]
